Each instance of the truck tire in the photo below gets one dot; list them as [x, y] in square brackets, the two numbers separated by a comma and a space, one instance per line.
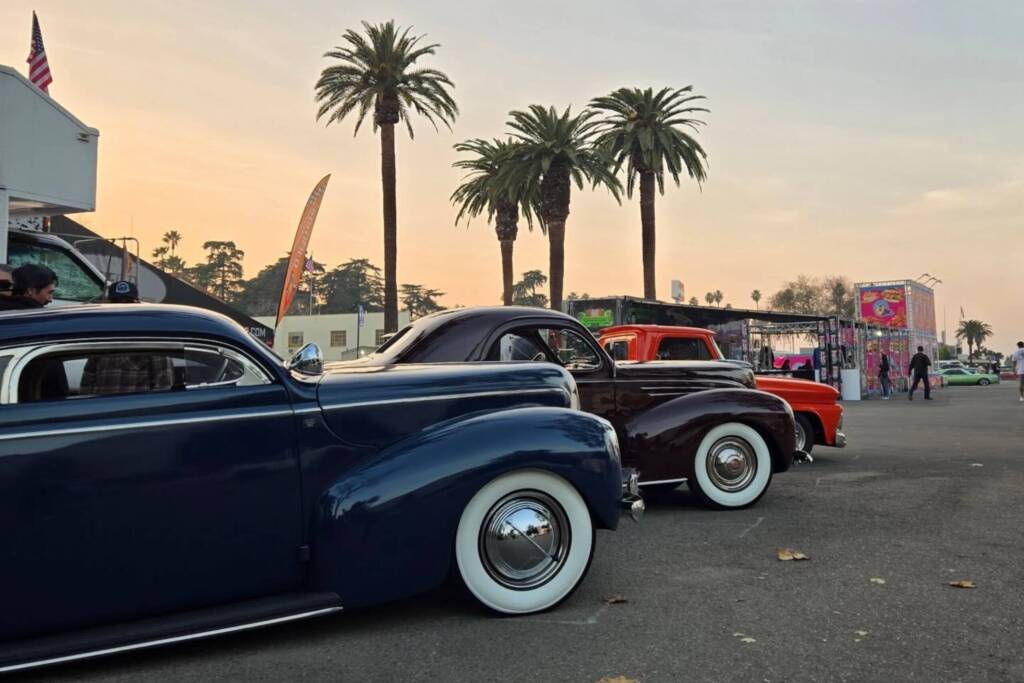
[524, 542]
[732, 467]
[805, 433]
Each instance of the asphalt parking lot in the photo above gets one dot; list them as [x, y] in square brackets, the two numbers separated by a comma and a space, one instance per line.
[927, 493]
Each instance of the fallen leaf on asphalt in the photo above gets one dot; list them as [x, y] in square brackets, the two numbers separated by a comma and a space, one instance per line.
[787, 554]
[748, 639]
[619, 679]
[615, 600]
[976, 464]
[880, 582]
[861, 633]
[962, 584]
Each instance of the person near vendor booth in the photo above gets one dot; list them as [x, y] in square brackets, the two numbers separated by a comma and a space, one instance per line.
[883, 377]
[1018, 366]
[919, 365]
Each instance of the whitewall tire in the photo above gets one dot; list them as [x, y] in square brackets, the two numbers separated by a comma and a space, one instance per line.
[732, 467]
[524, 542]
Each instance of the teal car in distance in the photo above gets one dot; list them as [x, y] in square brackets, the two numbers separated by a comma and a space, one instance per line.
[956, 376]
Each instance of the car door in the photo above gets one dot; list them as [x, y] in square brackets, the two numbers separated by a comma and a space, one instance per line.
[141, 478]
[574, 350]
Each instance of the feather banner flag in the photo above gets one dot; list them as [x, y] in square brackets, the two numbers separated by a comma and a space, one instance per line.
[297, 258]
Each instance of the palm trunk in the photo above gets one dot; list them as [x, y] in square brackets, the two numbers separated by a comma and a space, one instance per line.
[506, 271]
[556, 262]
[506, 226]
[387, 179]
[556, 189]
[647, 232]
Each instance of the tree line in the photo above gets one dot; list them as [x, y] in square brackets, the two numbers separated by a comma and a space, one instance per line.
[341, 289]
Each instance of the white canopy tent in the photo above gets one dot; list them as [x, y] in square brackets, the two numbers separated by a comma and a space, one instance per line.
[47, 156]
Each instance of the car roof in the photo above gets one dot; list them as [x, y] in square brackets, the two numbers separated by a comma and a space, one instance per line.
[659, 329]
[461, 330]
[109, 319]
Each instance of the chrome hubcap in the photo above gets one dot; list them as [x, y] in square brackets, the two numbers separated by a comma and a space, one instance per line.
[524, 540]
[801, 437]
[731, 464]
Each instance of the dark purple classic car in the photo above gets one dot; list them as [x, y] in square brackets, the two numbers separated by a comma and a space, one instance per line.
[698, 422]
[164, 477]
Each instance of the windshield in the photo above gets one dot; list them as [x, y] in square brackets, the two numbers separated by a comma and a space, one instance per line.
[75, 282]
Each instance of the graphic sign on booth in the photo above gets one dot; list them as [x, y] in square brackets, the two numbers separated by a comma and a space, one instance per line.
[885, 306]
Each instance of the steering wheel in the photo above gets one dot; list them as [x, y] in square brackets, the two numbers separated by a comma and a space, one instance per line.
[221, 369]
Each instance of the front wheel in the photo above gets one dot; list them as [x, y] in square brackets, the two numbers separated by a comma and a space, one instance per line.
[732, 467]
[805, 433]
[524, 542]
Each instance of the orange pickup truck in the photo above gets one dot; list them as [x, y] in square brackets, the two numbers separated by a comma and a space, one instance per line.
[819, 417]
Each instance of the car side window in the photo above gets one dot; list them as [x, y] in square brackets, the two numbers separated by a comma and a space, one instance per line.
[683, 349]
[516, 347]
[570, 348]
[618, 349]
[84, 370]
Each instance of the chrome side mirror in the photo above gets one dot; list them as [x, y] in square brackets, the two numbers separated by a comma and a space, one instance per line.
[309, 360]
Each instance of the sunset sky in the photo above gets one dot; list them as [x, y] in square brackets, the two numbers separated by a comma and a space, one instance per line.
[876, 140]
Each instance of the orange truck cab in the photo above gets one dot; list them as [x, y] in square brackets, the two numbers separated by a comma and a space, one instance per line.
[819, 417]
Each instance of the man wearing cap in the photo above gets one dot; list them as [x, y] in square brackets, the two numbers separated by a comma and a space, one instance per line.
[123, 292]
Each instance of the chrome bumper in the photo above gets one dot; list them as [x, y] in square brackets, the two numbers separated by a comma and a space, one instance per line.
[631, 500]
[840, 440]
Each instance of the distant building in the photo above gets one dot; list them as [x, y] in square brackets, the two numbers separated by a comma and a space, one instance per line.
[337, 334]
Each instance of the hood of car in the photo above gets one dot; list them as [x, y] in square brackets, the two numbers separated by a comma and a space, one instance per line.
[798, 390]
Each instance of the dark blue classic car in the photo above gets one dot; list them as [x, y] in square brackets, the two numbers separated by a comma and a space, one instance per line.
[163, 476]
[698, 422]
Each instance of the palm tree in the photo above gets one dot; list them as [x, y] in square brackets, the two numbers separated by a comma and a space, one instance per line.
[172, 238]
[650, 133]
[756, 296]
[376, 72]
[974, 332]
[556, 151]
[710, 298]
[718, 296]
[482, 191]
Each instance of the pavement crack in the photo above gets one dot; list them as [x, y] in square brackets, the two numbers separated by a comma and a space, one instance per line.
[751, 527]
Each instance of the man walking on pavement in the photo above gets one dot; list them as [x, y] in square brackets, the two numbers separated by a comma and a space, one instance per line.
[919, 365]
[1018, 364]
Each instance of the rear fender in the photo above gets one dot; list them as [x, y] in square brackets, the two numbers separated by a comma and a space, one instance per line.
[386, 529]
[662, 441]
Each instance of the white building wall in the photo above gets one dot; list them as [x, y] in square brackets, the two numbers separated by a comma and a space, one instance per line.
[296, 330]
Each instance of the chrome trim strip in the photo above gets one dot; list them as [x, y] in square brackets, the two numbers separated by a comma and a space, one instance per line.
[306, 411]
[448, 397]
[662, 481]
[142, 425]
[167, 641]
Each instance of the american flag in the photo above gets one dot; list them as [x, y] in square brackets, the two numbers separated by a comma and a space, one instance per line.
[38, 67]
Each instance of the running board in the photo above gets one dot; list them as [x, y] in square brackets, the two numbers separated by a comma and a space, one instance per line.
[175, 628]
